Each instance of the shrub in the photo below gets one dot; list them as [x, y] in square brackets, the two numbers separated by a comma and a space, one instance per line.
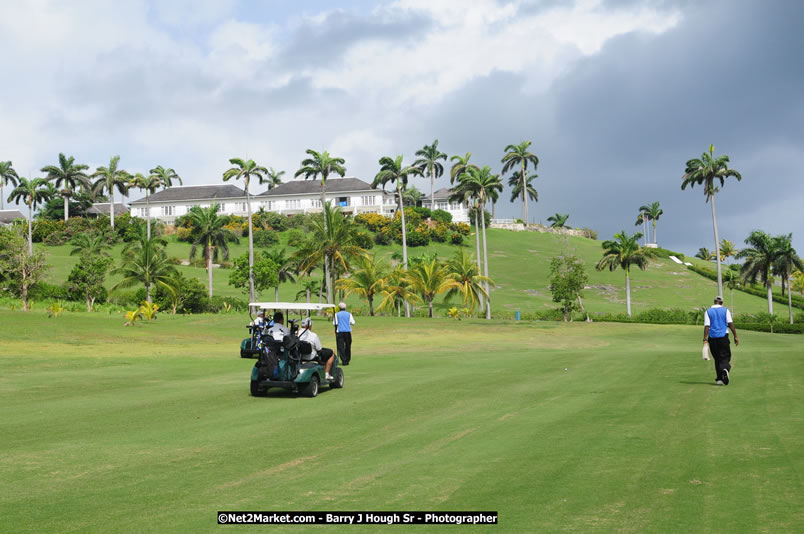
[441, 216]
[218, 303]
[664, 253]
[45, 227]
[419, 237]
[45, 291]
[56, 238]
[125, 298]
[373, 221]
[364, 240]
[184, 234]
[299, 220]
[383, 237]
[461, 228]
[295, 236]
[265, 238]
[755, 290]
[589, 233]
[455, 238]
[239, 228]
[269, 220]
[440, 232]
[486, 218]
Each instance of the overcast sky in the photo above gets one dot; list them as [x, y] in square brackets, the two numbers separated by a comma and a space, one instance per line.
[616, 95]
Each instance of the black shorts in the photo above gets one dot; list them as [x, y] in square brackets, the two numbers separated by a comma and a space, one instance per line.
[324, 355]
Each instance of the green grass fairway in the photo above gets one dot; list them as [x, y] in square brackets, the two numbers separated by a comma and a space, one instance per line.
[152, 429]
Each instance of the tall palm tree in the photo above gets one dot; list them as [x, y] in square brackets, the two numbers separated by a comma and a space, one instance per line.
[705, 171]
[273, 178]
[93, 244]
[430, 279]
[321, 165]
[460, 166]
[68, 175]
[144, 261]
[784, 264]
[166, 176]
[285, 272]
[309, 287]
[517, 183]
[463, 193]
[207, 230]
[642, 221]
[482, 183]
[108, 179]
[7, 176]
[30, 192]
[559, 220]
[727, 250]
[247, 170]
[367, 280]
[463, 270]
[149, 184]
[392, 171]
[758, 264]
[652, 213]
[623, 252]
[429, 164]
[520, 156]
[331, 239]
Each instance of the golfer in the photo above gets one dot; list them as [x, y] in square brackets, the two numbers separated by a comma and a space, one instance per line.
[717, 322]
[323, 355]
[343, 322]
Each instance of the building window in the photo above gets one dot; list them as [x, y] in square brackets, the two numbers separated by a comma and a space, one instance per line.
[168, 211]
[143, 212]
[368, 200]
[315, 203]
[292, 204]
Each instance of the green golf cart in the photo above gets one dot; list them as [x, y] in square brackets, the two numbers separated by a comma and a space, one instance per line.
[283, 361]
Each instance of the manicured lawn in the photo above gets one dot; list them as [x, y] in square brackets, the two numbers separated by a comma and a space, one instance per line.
[558, 427]
[519, 262]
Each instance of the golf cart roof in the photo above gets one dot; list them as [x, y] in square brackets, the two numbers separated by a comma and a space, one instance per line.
[290, 306]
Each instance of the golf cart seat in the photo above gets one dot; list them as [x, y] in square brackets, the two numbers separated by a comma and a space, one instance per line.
[306, 351]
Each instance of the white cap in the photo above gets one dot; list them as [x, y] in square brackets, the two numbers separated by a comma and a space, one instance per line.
[342, 305]
[307, 322]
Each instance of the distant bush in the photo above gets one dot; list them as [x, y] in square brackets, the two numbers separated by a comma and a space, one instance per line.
[462, 228]
[441, 216]
[265, 238]
[364, 240]
[270, 221]
[664, 253]
[56, 238]
[422, 213]
[383, 237]
[419, 237]
[45, 291]
[755, 290]
[300, 220]
[485, 217]
[125, 298]
[184, 234]
[173, 260]
[589, 233]
[373, 221]
[295, 236]
[440, 232]
[455, 238]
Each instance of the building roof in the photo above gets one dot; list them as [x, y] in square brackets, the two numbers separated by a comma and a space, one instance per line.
[181, 193]
[9, 216]
[441, 194]
[307, 187]
[102, 208]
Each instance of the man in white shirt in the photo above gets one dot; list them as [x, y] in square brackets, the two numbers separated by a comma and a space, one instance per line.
[717, 323]
[323, 355]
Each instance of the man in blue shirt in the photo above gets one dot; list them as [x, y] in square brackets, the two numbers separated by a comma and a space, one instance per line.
[717, 322]
[343, 322]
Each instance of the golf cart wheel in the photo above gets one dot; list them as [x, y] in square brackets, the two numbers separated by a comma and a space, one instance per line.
[311, 390]
[256, 390]
[338, 382]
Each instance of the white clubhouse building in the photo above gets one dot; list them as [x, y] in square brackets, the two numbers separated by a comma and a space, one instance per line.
[297, 196]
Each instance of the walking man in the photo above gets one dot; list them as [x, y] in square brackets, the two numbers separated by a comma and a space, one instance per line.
[717, 322]
[343, 322]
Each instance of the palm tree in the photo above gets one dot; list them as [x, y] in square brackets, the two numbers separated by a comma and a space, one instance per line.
[331, 239]
[759, 258]
[321, 164]
[727, 250]
[166, 176]
[517, 183]
[208, 231]
[463, 270]
[482, 182]
[462, 194]
[7, 176]
[285, 272]
[92, 244]
[705, 254]
[558, 220]
[642, 221]
[428, 161]
[392, 171]
[411, 196]
[69, 175]
[367, 280]
[273, 178]
[30, 192]
[732, 282]
[429, 279]
[309, 287]
[652, 213]
[798, 282]
[108, 179]
[246, 170]
[145, 261]
[705, 171]
[149, 184]
[519, 155]
[624, 251]
[460, 166]
[397, 290]
[785, 262]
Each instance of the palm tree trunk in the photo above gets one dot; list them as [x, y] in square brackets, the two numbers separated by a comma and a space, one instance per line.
[148, 212]
[326, 278]
[209, 265]
[66, 208]
[371, 306]
[770, 296]
[432, 191]
[404, 244]
[654, 232]
[148, 293]
[30, 233]
[307, 290]
[2, 195]
[524, 196]
[627, 292]
[276, 293]
[790, 304]
[430, 308]
[717, 248]
[250, 249]
[486, 263]
[477, 246]
[111, 203]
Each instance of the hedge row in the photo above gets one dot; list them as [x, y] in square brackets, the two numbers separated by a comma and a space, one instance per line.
[761, 292]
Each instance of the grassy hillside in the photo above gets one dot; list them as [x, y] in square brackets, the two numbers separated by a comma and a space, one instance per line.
[558, 427]
[519, 263]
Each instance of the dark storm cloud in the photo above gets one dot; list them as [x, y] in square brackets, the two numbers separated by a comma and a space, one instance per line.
[315, 44]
